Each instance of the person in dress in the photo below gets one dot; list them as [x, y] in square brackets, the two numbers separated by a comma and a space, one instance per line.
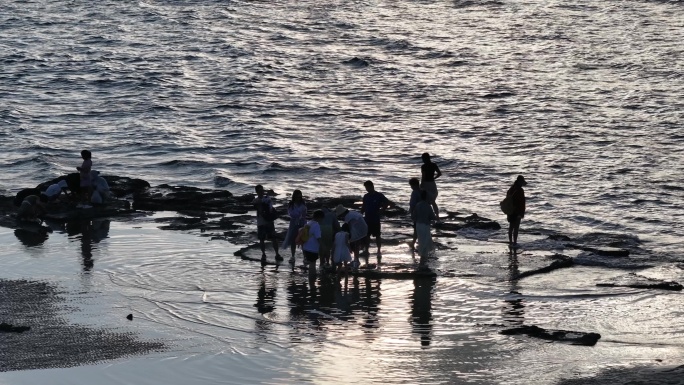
[265, 225]
[342, 250]
[415, 198]
[374, 203]
[310, 248]
[84, 169]
[358, 230]
[424, 215]
[429, 173]
[517, 196]
[296, 209]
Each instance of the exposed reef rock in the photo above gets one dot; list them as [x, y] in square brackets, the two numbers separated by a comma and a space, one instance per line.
[640, 282]
[572, 337]
[602, 251]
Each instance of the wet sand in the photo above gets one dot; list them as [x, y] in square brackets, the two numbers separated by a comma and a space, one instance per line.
[206, 311]
[51, 341]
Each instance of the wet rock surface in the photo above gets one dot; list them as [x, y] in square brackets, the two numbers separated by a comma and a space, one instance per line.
[572, 337]
[636, 281]
[222, 216]
[47, 340]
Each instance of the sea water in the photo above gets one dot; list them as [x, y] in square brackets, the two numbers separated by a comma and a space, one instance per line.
[584, 99]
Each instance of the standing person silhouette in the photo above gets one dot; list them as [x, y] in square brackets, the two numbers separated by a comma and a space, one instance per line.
[429, 172]
[374, 203]
[296, 209]
[415, 198]
[517, 195]
[265, 225]
[84, 170]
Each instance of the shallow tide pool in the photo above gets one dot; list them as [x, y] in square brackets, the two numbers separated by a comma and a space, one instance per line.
[227, 320]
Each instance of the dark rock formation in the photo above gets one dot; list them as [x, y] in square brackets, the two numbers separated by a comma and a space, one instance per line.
[7, 328]
[602, 251]
[575, 338]
[175, 198]
[640, 282]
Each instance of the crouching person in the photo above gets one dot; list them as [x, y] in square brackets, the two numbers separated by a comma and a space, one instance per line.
[311, 247]
[55, 190]
[100, 188]
[32, 208]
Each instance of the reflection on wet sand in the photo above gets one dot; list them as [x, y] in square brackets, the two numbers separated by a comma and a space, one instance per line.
[30, 238]
[331, 300]
[513, 308]
[31, 233]
[421, 308]
[91, 232]
[265, 304]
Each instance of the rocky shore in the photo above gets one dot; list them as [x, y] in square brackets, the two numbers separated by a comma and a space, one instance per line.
[222, 216]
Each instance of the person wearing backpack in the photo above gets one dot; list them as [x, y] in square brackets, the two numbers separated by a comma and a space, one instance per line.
[311, 246]
[266, 215]
[516, 198]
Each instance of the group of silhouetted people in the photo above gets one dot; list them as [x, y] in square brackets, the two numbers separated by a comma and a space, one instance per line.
[90, 188]
[323, 239]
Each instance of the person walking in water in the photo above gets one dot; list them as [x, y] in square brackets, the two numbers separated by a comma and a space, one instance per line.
[296, 209]
[516, 195]
[265, 219]
[374, 203]
[429, 172]
[311, 246]
[415, 198]
[424, 215]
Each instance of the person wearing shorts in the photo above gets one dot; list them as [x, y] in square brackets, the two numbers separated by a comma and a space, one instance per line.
[311, 247]
[265, 228]
[374, 203]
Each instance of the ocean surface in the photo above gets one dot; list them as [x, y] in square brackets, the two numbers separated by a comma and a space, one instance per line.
[585, 99]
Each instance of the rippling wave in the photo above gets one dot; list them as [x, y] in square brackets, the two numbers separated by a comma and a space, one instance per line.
[582, 98]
